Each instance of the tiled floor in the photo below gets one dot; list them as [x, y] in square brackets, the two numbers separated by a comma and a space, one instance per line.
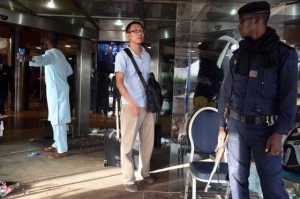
[81, 174]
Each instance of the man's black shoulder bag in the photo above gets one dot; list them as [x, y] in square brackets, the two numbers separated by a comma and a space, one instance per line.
[152, 88]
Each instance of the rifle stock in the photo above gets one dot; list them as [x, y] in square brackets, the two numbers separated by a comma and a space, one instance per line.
[219, 155]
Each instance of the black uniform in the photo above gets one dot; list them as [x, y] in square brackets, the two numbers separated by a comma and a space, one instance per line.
[6, 82]
[262, 101]
[261, 90]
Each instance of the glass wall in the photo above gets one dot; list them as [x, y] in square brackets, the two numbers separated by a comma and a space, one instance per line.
[206, 36]
[29, 82]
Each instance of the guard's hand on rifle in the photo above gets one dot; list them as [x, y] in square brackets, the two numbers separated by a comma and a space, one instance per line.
[219, 154]
[221, 137]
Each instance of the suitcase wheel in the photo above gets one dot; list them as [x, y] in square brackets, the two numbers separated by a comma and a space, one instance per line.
[105, 163]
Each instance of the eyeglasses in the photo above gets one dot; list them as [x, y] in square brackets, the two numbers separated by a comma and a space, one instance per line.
[137, 31]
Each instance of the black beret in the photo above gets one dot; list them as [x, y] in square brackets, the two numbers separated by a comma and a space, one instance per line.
[253, 7]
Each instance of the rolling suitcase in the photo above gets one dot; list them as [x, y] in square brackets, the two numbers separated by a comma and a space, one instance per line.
[112, 140]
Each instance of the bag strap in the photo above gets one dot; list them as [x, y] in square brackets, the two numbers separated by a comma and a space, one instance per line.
[128, 52]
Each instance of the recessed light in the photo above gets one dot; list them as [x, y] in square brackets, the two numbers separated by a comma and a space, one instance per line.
[67, 46]
[233, 12]
[51, 4]
[118, 23]
[38, 47]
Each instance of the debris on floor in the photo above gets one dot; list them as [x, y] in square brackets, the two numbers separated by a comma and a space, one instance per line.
[5, 188]
[32, 154]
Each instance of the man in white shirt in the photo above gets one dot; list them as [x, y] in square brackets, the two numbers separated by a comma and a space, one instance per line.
[134, 116]
[57, 69]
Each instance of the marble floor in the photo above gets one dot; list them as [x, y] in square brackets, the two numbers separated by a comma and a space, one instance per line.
[81, 174]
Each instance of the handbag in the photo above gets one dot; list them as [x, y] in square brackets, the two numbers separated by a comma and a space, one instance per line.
[152, 88]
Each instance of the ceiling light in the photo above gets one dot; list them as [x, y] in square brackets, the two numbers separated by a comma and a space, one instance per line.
[38, 47]
[149, 47]
[51, 4]
[118, 23]
[233, 12]
[70, 58]
[67, 46]
[166, 34]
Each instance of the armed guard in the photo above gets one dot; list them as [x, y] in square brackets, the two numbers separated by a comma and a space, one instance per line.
[261, 90]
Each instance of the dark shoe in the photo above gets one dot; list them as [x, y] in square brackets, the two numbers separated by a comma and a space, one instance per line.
[149, 179]
[58, 155]
[132, 187]
[50, 149]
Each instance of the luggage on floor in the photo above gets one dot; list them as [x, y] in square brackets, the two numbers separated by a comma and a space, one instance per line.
[112, 138]
[111, 148]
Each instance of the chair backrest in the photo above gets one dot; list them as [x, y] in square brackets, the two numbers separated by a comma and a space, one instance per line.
[203, 130]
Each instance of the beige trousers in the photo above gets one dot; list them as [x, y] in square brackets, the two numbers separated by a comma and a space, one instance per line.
[130, 126]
